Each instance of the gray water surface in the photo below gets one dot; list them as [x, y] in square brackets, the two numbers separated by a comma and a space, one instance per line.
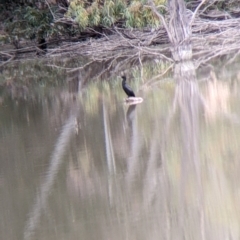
[87, 166]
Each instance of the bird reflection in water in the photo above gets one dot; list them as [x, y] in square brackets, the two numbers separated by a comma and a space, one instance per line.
[130, 115]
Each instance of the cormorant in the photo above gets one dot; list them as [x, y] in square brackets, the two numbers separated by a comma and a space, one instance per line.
[126, 88]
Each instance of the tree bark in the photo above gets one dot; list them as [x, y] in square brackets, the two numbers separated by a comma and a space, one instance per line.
[179, 30]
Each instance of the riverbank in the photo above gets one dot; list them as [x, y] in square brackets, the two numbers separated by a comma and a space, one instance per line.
[110, 54]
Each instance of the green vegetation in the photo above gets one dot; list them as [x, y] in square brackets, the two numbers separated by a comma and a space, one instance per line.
[39, 19]
[62, 19]
[106, 13]
[30, 23]
[29, 20]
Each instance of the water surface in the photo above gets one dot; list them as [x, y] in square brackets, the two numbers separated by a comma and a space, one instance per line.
[84, 165]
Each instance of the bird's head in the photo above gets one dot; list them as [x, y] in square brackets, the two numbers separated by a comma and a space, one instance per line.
[123, 78]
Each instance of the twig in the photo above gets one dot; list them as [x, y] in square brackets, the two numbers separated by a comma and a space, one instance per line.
[149, 82]
[50, 9]
[154, 9]
[195, 12]
[140, 61]
[7, 61]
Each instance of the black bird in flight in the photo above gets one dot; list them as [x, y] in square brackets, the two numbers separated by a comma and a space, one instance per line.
[127, 88]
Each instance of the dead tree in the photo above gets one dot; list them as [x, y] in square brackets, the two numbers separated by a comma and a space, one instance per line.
[179, 30]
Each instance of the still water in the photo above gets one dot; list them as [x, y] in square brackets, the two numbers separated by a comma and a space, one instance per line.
[85, 165]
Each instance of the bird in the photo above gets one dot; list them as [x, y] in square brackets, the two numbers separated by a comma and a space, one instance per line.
[127, 88]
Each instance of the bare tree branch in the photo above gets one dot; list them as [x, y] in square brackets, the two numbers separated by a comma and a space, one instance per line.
[195, 12]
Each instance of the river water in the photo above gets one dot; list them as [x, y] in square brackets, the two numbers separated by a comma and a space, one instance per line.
[86, 165]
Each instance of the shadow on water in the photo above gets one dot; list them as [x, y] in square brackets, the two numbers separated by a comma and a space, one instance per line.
[78, 159]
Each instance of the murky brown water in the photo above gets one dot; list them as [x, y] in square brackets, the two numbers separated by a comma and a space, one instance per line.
[86, 166]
